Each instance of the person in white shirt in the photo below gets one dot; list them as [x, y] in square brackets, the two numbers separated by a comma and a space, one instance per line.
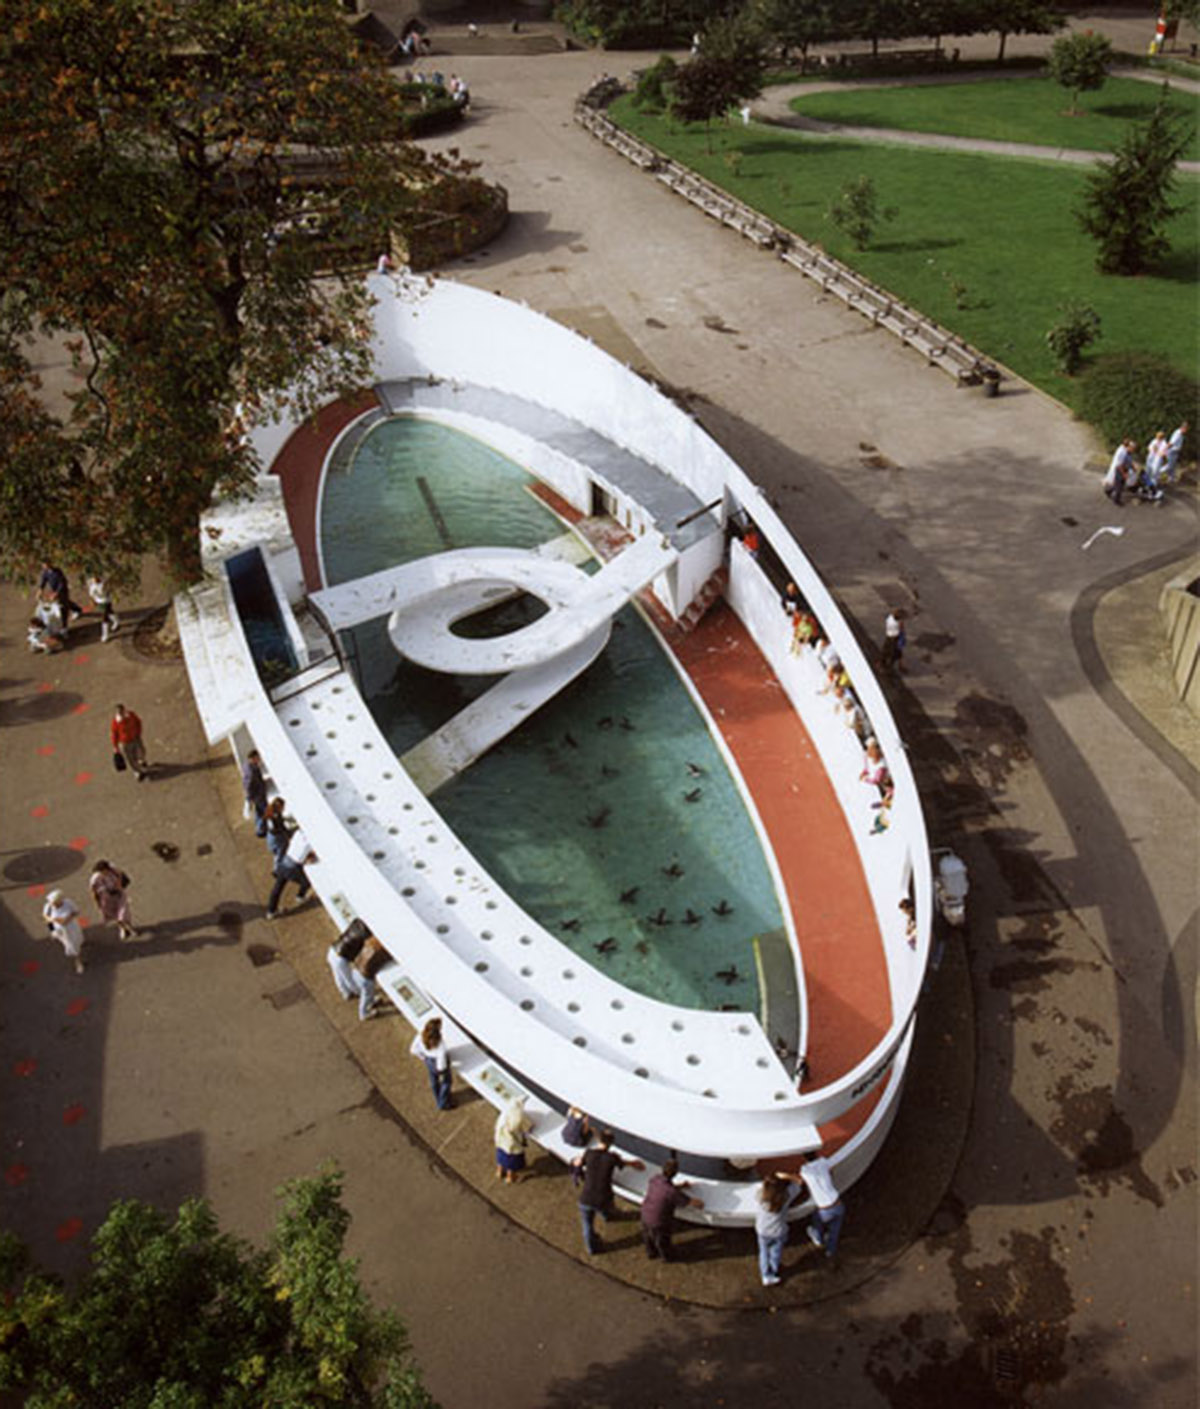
[1122, 472]
[428, 1045]
[825, 1226]
[1174, 450]
[290, 867]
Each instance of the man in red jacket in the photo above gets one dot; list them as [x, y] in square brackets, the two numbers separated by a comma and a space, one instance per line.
[126, 734]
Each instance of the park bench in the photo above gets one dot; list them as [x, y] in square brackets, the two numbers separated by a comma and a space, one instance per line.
[905, 57]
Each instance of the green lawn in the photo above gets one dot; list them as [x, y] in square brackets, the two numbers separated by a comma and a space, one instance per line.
[1026, 109]
[1001, 228]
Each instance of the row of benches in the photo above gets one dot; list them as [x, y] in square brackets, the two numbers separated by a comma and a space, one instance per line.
[936, 344]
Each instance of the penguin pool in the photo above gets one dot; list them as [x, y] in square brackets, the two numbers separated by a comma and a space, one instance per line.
[622, 831]
[537, 709]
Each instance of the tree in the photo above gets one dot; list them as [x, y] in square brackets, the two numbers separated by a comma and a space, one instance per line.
[1126, 202]
[179, 1314]
[729, 69]
[1079, 63]
[1018, 17]
[856, 211]
[795, 24]
[654, 85]
[173, 176]
[1078, 328]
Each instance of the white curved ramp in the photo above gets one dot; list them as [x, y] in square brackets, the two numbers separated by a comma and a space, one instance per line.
[496, 713]
[427, 597]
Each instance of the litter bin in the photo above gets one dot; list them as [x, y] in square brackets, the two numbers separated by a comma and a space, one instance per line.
[991, 381]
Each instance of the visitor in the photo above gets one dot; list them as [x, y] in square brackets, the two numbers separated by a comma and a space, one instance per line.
[849, 711]
[1174, 450]
[597, 1167]
[279, 833]
[804, 630]
[429, 1046]
[909, 910]
[352, 982]
[1122, 472]
[53, 583]
[62, 920]
[874, 769]
[108, 886]
[290, 867]
[777, 1193]
[663, 1197]
[101, 597]
[894, 640]
[511, 1139]
[254, 786]
[577, 1129]
[751, 541]
[41, 637]
[125, 731]
[825, 1225]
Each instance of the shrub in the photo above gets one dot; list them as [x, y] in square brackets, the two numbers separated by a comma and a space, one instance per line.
[1136, 393]
[1078, 328]
[856, 211]
[1079, 63]
[652, 93]
[428, 109]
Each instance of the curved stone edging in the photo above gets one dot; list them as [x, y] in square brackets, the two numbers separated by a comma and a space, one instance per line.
[940, 347]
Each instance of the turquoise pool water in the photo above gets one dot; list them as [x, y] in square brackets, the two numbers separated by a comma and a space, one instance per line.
[609, 815]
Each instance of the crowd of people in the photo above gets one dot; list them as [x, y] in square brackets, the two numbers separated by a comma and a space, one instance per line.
[54, 611]
[808, 635]
[1149, 479]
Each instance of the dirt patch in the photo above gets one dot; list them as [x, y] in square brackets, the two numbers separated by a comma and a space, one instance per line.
[156, 636]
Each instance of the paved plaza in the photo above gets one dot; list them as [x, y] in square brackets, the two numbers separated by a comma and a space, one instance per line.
[1031, 1233]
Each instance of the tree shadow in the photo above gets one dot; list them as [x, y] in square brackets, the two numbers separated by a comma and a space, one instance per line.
[42, 864]
[912, 246]
[152, 942]
[531, 232]
[38, 707]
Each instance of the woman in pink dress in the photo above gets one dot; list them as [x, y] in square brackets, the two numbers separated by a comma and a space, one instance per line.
[108, 886]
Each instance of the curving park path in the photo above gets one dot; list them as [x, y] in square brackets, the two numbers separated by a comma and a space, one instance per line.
[775, 108]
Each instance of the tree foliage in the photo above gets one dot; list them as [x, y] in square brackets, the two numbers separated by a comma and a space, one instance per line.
[173, 173]
[638, 24]
[1079, 63]
[856, 211]
[178, 1315]
[796, 24]
[729, 69]
[653, 92]
[1126, 202]
[1076, 330]
[1007, 17]
[1135, 394]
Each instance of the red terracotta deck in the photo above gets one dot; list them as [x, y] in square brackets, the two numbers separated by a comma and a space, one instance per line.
[845, 972]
